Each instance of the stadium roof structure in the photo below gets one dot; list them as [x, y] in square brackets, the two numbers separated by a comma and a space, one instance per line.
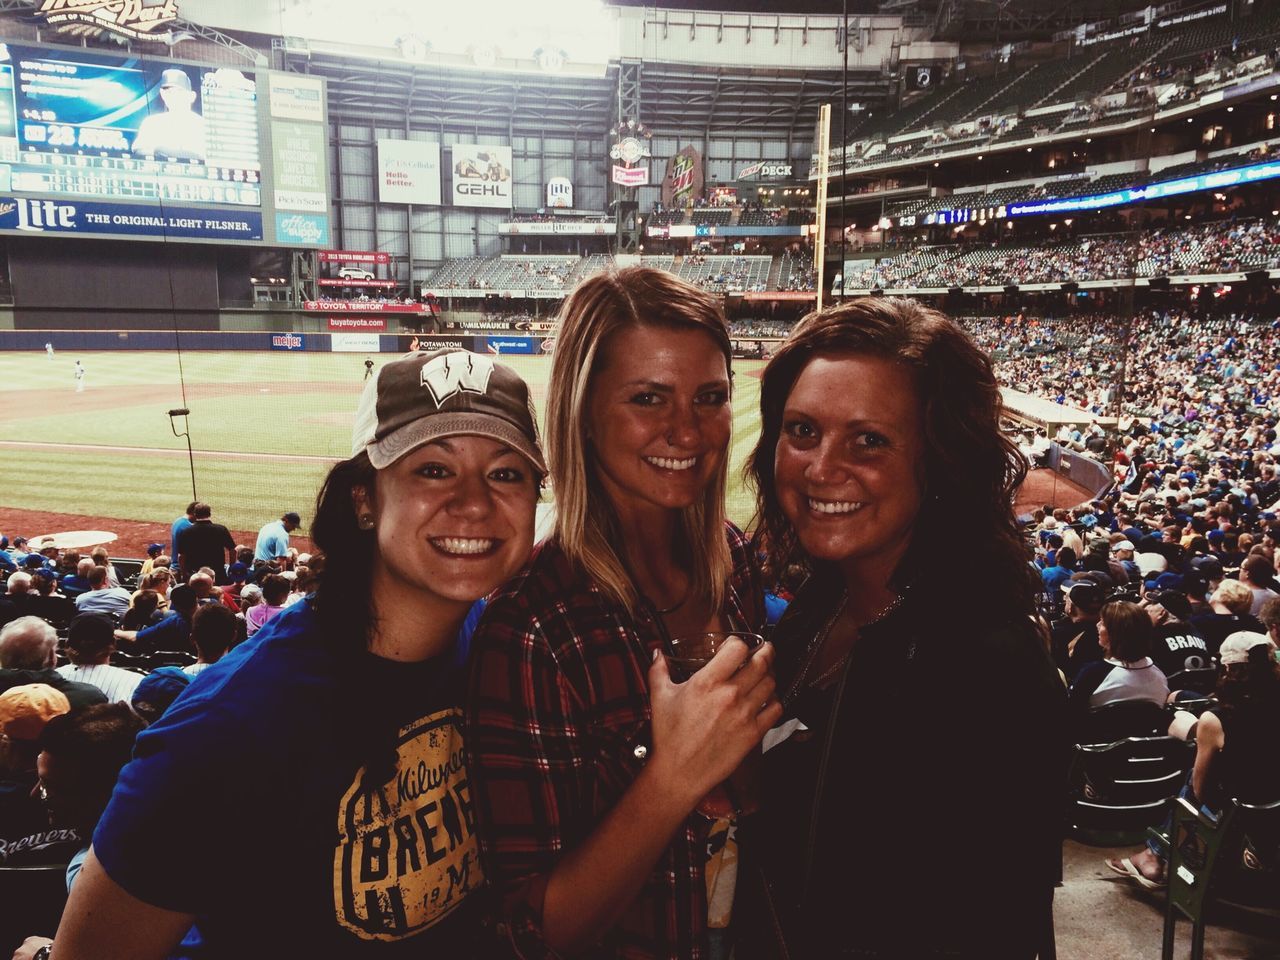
[684, 97]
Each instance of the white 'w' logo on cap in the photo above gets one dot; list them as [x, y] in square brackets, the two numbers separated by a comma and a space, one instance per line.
[454, 372]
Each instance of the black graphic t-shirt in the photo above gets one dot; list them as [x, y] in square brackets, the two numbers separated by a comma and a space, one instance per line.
[247, 805]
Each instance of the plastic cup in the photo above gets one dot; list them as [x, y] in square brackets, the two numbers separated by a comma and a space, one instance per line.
[690, 654]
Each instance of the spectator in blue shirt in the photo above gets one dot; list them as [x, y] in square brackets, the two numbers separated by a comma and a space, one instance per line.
[1055, 576]
[273, 538]
[171, 633]
[184, 521]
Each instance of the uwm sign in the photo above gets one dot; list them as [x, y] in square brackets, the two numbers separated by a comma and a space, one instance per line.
[132, 19]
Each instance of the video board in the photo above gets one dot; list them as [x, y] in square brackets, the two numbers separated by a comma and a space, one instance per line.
[121, 128]
[118, 145]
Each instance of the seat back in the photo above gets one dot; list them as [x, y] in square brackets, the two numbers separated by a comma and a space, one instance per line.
[168, 658]
[57, 611]
[32, 898]
[1125, 718]
[1119, 789]
[1202, 680]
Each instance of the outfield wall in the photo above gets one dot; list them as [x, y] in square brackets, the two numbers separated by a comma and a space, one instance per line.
[198, 340]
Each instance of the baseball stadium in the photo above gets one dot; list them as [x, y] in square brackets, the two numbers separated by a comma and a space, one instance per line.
[222, 224]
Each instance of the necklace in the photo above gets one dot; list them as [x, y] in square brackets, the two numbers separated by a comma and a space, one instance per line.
[821, 638]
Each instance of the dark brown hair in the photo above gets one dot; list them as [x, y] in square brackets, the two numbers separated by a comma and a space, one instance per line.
[1129, 631]
[971, 469]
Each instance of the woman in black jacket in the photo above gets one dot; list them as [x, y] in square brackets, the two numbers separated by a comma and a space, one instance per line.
[915, 783]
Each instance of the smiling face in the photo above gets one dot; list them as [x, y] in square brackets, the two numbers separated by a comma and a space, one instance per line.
[658, 418]
[849, 465]
[453, 520]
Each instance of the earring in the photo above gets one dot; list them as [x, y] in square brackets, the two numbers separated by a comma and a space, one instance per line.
[365, 521]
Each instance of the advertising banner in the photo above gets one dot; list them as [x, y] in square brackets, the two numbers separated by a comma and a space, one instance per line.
[409, 172]
[354, 256]
[298, 157]
[355, 343]
[559, 192]
[584, 228]
[501, 345]
[683, 181]
[411, 343]
[358, 323]
[57, 216]
[630, 176]
[288, 341]
[294, 97]
[481, 176]
[361, 306]
[768, 170]
[378, 284]
[304, 229]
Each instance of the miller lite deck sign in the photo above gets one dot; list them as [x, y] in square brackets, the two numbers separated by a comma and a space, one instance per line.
[481, 175]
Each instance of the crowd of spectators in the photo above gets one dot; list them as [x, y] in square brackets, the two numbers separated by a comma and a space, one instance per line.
[1222, 246]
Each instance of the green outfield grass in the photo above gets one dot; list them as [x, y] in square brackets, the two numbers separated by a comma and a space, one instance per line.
[259, 408]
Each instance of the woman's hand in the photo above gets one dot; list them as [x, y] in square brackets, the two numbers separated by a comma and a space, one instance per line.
[705, 727]
[29, 947]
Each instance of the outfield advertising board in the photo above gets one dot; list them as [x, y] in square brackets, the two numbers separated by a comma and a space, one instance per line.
[355, 343]
[93, 217]
[298, 160]
[501, 345]
[481, 175]
[294, 97]
[288, 341]
[302, 229]
[409, 172]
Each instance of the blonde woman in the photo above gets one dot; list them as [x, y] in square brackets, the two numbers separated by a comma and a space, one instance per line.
[588, 762]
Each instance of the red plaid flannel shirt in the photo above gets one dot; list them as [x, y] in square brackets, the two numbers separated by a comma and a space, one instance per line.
[558, 703]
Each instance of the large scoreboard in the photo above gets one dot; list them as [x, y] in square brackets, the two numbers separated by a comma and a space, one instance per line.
[107, 145]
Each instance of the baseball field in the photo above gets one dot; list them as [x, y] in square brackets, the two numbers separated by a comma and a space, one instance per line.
[264, 429]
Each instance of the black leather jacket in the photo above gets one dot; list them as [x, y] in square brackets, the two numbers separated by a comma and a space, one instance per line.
[922, 814]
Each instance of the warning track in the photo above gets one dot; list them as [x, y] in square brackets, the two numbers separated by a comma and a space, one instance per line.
[164, 451]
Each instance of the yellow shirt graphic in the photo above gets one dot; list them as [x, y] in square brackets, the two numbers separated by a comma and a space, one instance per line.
[407, 854]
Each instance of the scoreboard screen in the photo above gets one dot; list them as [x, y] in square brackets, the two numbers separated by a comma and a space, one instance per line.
[80, 124]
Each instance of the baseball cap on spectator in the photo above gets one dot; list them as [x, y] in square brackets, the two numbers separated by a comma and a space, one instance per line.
[1169, 581]
[238, 572]
[1215, 536]
[1084, 594]
[26, 708]
[1210, 567]
[1122, 545]
[1235, 649]
[251, 591]
[428, 396]
[33, 560]
[154, 549]
[157, 690]
[1195, 584]
[1132, 534]
[1173, 601]
[1149, 563]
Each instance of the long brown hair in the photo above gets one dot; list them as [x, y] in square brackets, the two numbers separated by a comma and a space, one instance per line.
[971, 468]
[586, 526]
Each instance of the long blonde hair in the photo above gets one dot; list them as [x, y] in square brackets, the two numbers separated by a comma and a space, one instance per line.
[586, 525]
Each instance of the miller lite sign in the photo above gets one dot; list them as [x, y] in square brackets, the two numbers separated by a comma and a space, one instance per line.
[560, 193]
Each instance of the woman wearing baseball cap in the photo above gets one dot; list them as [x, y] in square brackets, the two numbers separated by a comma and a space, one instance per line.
[1235, 741]
[309, 795]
